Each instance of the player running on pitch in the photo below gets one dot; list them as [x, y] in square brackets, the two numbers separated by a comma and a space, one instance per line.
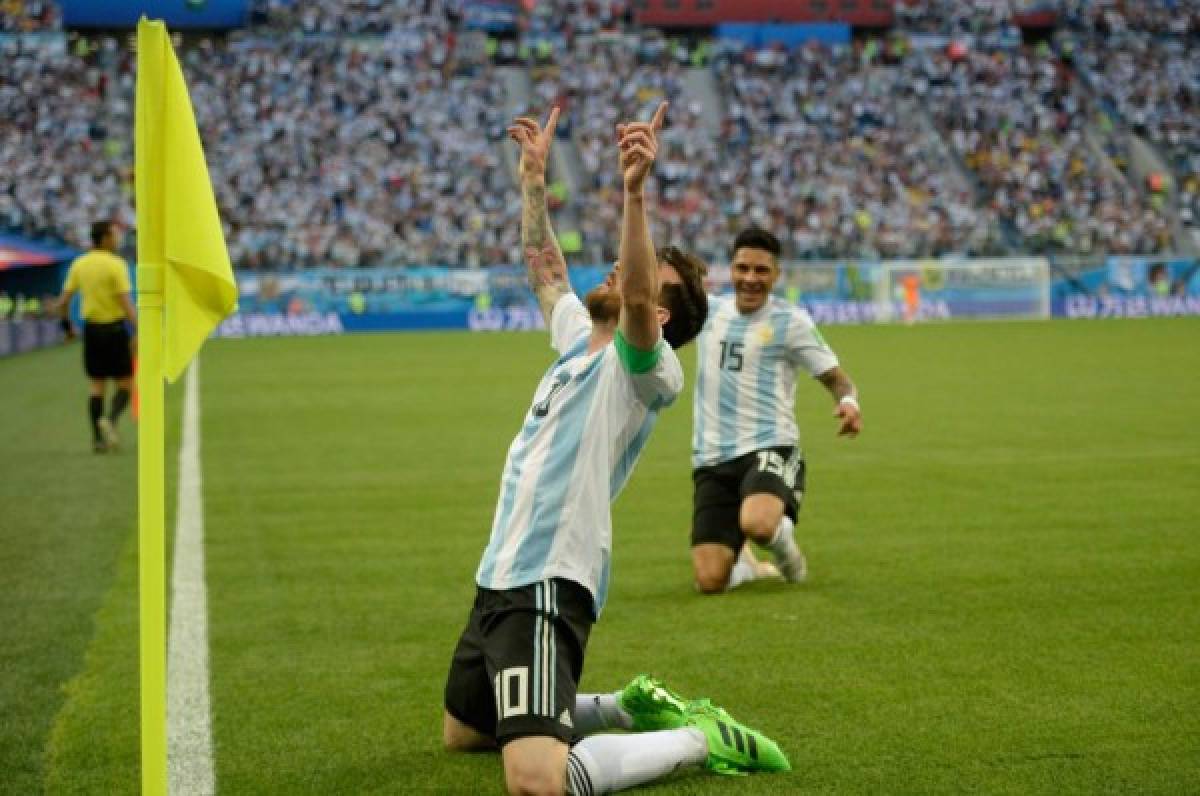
[545, 573]
[748, 469]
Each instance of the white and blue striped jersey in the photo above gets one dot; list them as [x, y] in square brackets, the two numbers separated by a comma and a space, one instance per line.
[589, 421]
[746, 377]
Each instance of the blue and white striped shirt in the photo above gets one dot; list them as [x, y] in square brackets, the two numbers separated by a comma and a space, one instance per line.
[587, 426]
[746, 378]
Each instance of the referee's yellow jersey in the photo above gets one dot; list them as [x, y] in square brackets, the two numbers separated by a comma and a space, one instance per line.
[100, 278]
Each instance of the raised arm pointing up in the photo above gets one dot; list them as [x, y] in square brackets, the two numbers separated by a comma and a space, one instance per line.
[640, 286]
[544, 262]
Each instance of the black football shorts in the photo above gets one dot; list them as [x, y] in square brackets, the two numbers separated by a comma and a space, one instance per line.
[516, 669]
[721, 488]
[106, 353]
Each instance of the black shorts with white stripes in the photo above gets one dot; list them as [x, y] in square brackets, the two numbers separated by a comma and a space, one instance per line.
[516, 669]
[720, 489]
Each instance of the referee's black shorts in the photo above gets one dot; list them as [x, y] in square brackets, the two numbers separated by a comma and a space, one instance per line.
[106, 352]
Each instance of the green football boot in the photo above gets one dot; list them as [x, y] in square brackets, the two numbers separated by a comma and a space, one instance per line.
[652, 705]
[734, 748]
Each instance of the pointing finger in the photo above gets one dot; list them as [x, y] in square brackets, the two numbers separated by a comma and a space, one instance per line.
[551, 123]
[659, 116]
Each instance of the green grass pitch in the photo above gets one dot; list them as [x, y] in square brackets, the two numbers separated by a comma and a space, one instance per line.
[1004, 593]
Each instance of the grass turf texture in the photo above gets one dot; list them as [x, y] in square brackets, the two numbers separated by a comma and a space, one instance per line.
[68, 576]
[1005, 567]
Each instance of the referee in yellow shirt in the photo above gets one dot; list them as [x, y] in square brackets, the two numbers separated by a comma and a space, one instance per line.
[101, 278]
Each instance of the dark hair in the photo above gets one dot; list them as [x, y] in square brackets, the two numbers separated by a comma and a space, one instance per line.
[757, 238]
[99, 230]
[687, 302]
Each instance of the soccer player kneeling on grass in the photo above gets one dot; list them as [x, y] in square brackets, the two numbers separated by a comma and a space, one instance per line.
[544, 575]
[748, 469]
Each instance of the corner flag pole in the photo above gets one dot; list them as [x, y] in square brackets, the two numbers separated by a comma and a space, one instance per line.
[151, 522]
[152, 598]
[185, 287]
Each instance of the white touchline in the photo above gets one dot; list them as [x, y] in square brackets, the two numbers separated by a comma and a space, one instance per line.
[189, 715]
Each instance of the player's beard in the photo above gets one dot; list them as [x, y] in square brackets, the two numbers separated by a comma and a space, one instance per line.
[603, 304]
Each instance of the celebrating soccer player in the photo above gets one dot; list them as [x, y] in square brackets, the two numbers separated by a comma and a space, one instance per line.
[748, 469]
[544, 576]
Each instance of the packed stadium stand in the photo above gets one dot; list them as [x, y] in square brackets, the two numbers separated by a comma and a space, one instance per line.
[1147, 90]
[29, 16]
[358, 132]
[1019, 121]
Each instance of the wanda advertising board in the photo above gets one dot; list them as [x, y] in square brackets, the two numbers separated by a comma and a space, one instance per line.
[705, 13]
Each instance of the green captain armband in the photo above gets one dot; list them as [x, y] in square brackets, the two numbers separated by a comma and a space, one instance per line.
[634, 359]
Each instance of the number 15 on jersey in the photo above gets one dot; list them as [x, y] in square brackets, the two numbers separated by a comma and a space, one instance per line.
[731, 356]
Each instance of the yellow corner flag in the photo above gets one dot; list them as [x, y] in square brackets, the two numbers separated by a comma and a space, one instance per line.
[177, 217]
[185, 287]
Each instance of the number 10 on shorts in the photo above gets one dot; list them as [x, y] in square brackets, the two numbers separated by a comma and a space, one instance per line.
[512, 690]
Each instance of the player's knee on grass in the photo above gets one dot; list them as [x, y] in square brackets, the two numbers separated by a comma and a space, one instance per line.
[759, 517]
[460, 737]
[712, 564]
[535, 766]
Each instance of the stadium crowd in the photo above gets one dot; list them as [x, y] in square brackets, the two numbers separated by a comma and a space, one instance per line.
[825, 144]
[602, 81]
[361, 17]
[813, 141]
[1151, 85]
[1019, 121]
[372, 139]
[29, 16]
[953, 17]
[327, 151]
[1104, 18]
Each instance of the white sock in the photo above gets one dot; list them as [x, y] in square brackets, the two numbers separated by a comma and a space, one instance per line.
[598, 712]
[743, 570]
[783, 544]
[607, 763]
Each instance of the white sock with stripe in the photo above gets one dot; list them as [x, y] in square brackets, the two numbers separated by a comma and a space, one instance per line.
[606, 763]
[599, 712]
[783, 544]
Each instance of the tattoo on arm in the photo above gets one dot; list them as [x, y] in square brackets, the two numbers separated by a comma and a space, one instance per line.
[837, 382]
[546, 268]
